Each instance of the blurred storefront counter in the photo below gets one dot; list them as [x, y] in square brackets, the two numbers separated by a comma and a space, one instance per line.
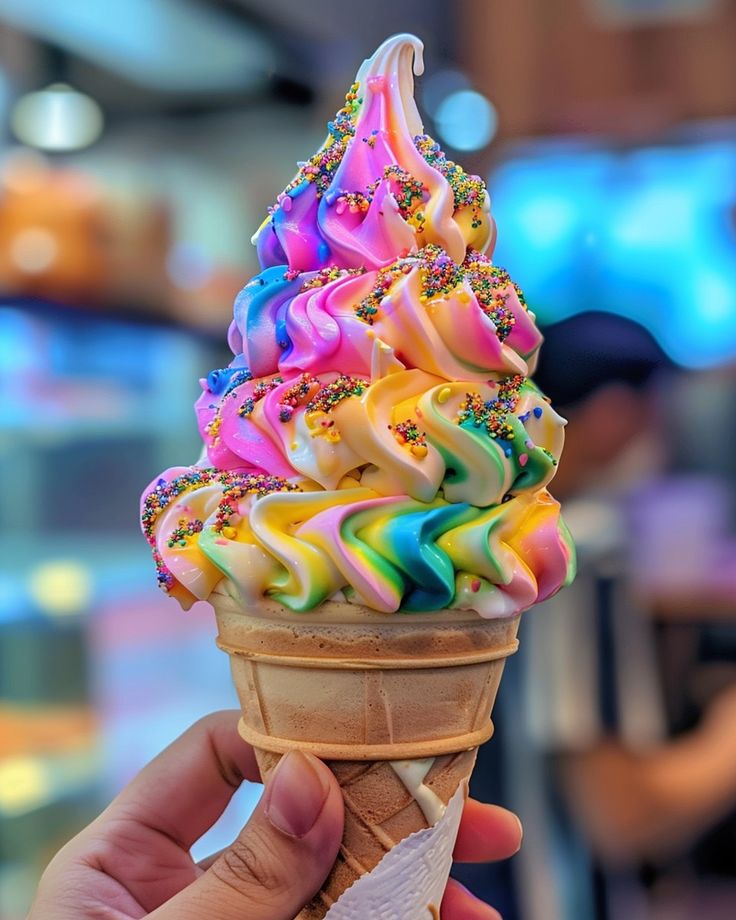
[98, 669]
[99, 672]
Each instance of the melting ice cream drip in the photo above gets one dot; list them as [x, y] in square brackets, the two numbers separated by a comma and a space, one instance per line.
[399, 57]
[412, 774]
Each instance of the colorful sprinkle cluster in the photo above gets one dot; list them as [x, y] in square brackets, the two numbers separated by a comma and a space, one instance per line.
[491, 285]
[159, 499]
[213, 427]
[224, 380]
[367, 309]
[343, 127]
[467, 190]
[215, 382]
[326, 275]
[355, 202]
[406, 190]
[297, 393]
[332, 394]
[328, 396]
[407, 433]
[320, 169]
[492, 414]
[477, 261]
[184, 530]
[164, 577]
[440, 273]
[261, 389]
[238, 378]
[241, 485]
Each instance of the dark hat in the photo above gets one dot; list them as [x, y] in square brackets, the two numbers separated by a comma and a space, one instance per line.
[587, 351]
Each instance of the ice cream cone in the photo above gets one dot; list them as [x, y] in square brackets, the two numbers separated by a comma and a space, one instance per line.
[399, 730]
[376, 437]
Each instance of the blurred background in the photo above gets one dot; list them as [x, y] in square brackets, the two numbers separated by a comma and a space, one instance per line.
[141, 142]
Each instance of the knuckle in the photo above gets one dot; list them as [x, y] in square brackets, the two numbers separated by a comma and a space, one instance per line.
[251, 863]
[209, 721]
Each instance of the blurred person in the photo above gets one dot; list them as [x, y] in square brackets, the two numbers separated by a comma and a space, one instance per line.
[602, 370]
[581, 724]
[133, 861]
[633, 805]
[639, 795]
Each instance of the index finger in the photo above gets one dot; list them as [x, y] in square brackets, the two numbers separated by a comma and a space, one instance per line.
[487, 833]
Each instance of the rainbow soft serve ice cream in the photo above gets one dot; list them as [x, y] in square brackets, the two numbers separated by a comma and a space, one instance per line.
[376, 437]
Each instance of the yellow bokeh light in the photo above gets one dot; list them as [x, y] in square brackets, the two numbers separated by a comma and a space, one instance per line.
[24, 784]
[61, 587]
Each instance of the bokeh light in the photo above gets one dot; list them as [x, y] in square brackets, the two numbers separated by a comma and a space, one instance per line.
[188, 267]
[436, 87]
[61, 587]
[33, 250]
[24, 781]
[466, 120]
[644, 233]
[57, 118]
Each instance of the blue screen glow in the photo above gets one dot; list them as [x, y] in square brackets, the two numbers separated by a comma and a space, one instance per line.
[649, 234]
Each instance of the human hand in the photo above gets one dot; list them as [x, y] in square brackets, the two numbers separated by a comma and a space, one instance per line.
[133, 861]
[719, 715]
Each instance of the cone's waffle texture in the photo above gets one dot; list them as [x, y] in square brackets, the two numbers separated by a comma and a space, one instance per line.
[409, 882]
[379, 814]
[340, 683]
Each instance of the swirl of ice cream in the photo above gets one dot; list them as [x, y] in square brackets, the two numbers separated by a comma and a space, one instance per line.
[459, 321]
[271, 538]
[405, 432]
[377, 436]
[378, 187]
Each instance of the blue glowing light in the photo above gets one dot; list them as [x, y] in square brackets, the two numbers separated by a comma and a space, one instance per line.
[437, 86]
[646, 234]
[466, 120]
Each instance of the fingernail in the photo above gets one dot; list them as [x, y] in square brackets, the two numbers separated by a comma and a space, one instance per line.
[296, 794]
[521, 832]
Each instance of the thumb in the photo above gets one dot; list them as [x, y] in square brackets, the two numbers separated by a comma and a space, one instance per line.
[280, 858]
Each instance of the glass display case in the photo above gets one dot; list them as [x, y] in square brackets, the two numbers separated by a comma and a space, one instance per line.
[98, 669]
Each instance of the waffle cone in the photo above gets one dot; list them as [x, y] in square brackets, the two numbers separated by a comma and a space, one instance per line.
[379, 814]
[363, 690]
